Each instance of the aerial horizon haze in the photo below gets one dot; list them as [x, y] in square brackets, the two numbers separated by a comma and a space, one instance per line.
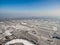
[29, 8]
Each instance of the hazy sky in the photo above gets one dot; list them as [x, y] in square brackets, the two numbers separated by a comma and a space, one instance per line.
[16, 8]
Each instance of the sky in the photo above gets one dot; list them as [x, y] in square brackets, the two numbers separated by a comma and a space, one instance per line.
[18, 8]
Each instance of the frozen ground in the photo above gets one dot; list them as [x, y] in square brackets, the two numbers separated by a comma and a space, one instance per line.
[36, 31]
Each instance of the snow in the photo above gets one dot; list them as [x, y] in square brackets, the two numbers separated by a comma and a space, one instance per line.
[25, 42]
[7, 33]
[55, 28]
